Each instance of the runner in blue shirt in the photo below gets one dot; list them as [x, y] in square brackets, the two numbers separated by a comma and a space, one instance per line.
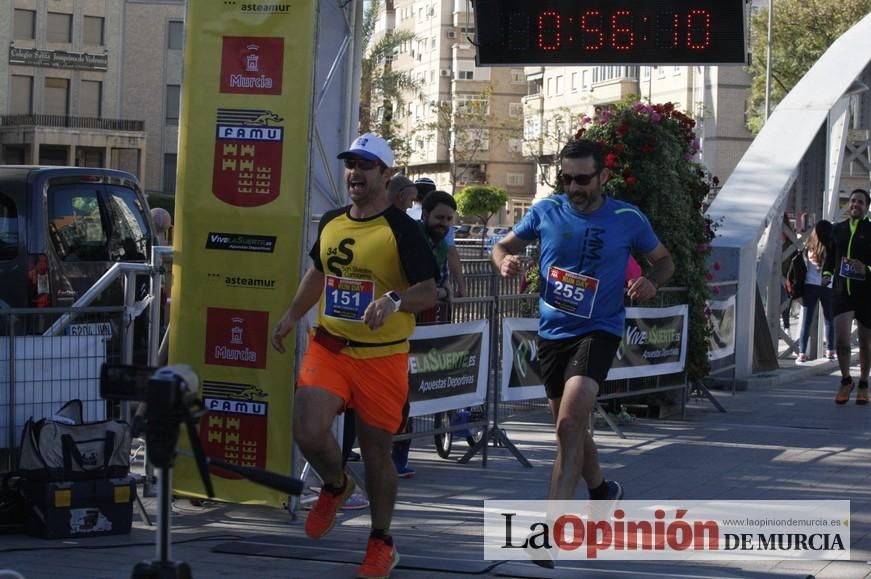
[585, 239]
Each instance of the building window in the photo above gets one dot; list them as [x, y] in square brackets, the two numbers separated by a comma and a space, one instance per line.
[645, 72]
[559, 85]
[91, 99]
[173, 96]
[92, 31]
[514, 179]
[515, 110]
[574, 85]
[585, 80]
[473, 104]
[176, 35]
[169, 164]
[25, 24]
[60, 27]
[465, 75]
[22, 95]
[57, 96]
[517, 76]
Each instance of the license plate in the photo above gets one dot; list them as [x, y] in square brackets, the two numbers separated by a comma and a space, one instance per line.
[92, 329]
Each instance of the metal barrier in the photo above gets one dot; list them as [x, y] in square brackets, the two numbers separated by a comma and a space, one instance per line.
[49, 356]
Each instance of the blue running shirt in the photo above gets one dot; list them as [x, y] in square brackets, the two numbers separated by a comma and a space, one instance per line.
[582, 263]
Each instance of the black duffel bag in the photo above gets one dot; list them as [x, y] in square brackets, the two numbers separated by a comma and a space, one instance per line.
[66, 449]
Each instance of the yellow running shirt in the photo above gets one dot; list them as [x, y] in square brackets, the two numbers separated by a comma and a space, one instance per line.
[362, 260]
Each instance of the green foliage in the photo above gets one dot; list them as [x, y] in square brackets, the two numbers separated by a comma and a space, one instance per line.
[382, 87]
[802, 31]
[482, 201]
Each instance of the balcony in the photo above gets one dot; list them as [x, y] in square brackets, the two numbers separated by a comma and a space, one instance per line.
[64, 121]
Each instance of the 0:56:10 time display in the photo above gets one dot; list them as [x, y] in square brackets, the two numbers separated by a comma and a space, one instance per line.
[622, 31]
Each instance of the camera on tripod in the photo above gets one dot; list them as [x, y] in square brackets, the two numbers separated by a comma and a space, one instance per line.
[169, 395]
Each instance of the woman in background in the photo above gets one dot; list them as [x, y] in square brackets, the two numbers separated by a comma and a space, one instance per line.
[815, 256]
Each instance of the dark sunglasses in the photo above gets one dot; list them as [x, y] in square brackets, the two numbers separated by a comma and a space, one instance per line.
[581, 179]
[362, 164]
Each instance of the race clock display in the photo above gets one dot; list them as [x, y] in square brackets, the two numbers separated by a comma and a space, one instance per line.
[563, 32]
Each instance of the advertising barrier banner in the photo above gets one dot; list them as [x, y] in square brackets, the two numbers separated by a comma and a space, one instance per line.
[721, 342]
[240, 203]
[654, 343]
[447, 367]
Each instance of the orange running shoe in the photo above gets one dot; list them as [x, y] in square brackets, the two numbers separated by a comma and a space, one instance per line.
[380, 560]
[862, 393]
[322, 517]
[843, 395]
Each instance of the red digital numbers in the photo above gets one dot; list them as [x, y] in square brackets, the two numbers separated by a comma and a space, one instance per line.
[549, 30]
[591, 25]
[691, 30]
[698, 29]
[622, 33]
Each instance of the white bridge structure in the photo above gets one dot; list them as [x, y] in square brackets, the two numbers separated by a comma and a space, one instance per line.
[815, 140]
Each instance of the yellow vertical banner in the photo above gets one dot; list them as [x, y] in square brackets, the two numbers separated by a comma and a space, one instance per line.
[240, 202]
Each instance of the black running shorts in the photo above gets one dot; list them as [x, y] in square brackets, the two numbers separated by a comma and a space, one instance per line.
[589, 355]
[859, 305]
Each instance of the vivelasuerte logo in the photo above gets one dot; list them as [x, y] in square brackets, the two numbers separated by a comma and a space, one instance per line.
[241, 242]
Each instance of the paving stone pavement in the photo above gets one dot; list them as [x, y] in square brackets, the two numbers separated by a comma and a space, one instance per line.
[783, 438]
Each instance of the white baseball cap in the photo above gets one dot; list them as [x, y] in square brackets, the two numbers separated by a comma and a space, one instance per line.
[370, 146]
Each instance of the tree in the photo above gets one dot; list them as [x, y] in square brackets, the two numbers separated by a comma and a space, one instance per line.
[802, 31]
[481, 201]
[379, 82]
[544, 137]
[467, 129]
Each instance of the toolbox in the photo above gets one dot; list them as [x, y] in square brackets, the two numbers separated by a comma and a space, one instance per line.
[75, 509]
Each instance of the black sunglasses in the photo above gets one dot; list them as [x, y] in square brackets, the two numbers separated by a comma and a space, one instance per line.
[581, 179]
[362, 164]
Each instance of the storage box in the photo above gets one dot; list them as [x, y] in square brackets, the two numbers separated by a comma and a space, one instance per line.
[78, 509]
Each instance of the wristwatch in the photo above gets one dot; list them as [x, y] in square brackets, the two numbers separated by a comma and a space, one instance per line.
[394, 297]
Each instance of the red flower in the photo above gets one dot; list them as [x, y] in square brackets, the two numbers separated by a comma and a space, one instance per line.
[618, 148]
[623, 129]
[611, 160]
[716, 290]
[716, 266]
[631, 181]
[710, 276]
[646, 149]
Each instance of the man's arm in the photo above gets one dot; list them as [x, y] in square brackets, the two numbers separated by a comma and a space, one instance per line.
[644, 288]
[505, 256]
[455, 266]
[417, 298]
[307, 295]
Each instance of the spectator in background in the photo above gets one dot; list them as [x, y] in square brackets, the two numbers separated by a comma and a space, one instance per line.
[847, 265]
[814, 256]
[401, 192]
[162, 224]
[425, 186]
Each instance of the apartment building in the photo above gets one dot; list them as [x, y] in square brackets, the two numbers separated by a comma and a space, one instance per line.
[152, 79]
[62, 102]
[560, 96]
[442, 59]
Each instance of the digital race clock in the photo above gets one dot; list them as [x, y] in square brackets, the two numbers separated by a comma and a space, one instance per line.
[561, 32]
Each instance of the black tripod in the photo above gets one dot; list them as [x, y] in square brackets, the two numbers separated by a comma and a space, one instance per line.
[170, 399]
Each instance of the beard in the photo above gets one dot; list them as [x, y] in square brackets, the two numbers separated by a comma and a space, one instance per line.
[436, 233]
